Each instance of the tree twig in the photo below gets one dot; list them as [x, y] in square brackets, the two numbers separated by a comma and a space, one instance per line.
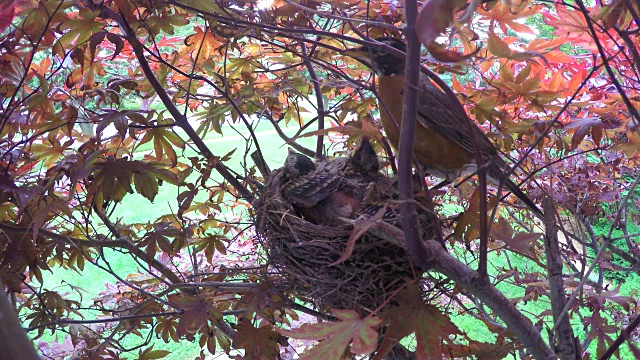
[625, 334]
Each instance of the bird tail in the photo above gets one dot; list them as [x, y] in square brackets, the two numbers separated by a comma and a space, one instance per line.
[515, 189]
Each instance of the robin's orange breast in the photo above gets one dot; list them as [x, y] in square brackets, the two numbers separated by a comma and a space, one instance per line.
[432, 149]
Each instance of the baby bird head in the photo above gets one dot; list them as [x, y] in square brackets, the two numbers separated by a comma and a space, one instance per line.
[297, 164]
[364, 158]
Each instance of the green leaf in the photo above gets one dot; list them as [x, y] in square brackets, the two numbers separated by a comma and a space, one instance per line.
[498, 47]
[81, 27]
[146, 185]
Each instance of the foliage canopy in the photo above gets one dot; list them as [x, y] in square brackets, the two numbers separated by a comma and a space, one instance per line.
[553, 84]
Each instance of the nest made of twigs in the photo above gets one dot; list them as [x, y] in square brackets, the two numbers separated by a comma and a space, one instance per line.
[304, 254]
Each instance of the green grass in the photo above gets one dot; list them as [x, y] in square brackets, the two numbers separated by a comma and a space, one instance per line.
[477, 330]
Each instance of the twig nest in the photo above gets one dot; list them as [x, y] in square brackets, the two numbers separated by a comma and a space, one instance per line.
[311, 259]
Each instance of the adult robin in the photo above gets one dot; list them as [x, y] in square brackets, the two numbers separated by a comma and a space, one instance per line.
[323, 192]
[444, 141]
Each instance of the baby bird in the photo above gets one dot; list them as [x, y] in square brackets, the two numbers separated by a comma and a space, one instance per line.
[324, 192]
[297, 165]
[363, 161]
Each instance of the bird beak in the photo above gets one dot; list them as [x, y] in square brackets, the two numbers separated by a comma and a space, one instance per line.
[360, 53]
[364, 142]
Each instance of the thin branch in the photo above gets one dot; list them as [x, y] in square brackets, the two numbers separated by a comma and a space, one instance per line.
[319, 100]
[630, 107]
[220, 285]
[625, 334]
[179, 118]
[104, 320]
[604, 247]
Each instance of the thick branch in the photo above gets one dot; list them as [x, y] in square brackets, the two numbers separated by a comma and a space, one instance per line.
[469, 280]
[432, 256]
[407, 130]
[564, 334]
[13, 339]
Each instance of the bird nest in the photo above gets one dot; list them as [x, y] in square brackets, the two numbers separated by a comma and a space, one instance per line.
[310, 258]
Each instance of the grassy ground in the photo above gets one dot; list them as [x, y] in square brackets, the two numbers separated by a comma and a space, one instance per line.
[477, 330]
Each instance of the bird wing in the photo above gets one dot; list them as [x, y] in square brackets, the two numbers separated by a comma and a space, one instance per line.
[310, 189]
[438, 112]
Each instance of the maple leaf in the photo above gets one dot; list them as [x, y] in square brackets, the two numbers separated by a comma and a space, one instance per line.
[412, 315]
[582, 127]
[599, 300]
[166, 329]
[434, 18]
[195, 316]
[505, 15]
[80, 27]
[164, 139]
[120, 119]
[51, 151]
[202, 44]
[498, 46]
[570, 25]
[150, 354]
[166, 23]
[259, 343]
[336, 336]
[522, 242]
[600, 330]
[468, 226]
[112, 180]
[98, 37]
[210, 244]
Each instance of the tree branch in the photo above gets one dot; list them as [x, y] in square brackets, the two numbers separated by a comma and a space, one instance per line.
[408, 213]
[14, 342]
[468, 279]
[564, 334]
[432, 256]
[319, 100]
[180, 119]
[625, 334]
